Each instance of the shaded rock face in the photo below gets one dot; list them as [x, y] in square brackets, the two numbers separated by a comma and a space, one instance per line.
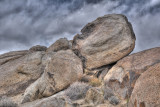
[38, 48]
[121, 78]
[61, 44]
[16, 75]
[63, 69]
[104, 41]
[146, 91]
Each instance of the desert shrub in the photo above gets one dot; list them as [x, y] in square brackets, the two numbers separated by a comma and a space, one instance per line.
[77, 90]
[95, 82]
[7, 102]
[85, 79]
[91, 80]
[107, 92]
[114, 100]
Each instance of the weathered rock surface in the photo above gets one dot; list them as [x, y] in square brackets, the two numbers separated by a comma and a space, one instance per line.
[16, 75]
[105, 41]
[63, 69]
[61, 44]
[146, 91]
[121, 78]
[38, 48]
[4, 58]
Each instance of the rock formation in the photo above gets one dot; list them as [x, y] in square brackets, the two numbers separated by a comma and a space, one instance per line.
[92, 70]
[63, 69]
[105, 40]
[17, 74]
[122, 76]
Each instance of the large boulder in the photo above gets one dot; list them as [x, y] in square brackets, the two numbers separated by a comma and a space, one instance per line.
[104, 41]
[60, 44]
[146, 92]
[121, 77]
[62, 69]
[16, 75]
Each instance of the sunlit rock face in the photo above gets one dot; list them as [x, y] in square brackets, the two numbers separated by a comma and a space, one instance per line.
[105, 40]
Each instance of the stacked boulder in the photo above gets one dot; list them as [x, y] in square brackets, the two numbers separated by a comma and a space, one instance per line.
[94, 69]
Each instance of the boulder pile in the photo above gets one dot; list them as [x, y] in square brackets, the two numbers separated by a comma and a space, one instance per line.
[95, 69]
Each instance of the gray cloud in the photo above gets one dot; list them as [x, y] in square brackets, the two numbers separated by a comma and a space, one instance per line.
[24, 23]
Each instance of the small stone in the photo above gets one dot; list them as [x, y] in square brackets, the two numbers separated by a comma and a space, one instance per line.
[105, 41]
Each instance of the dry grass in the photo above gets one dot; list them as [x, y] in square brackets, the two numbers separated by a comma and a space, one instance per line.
[77, 90]
[95, 82]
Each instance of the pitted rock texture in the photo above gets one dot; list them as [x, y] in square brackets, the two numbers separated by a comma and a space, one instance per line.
[105, 40]
[121, 77]
[146, 91]
[63, 69]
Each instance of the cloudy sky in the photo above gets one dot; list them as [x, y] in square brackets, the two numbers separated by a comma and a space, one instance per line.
[25, 23]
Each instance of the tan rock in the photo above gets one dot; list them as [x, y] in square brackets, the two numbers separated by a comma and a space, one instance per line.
[16, 75]
[121, 78]
[63, 69]
[146, 91]
[4, 58]
[105, 40]
[61, 44]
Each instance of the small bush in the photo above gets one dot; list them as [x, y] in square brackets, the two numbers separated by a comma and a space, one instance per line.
[77, 90]
[114, 100]
[7, 102]
[107, 92]
[91, 80]
[95, 82]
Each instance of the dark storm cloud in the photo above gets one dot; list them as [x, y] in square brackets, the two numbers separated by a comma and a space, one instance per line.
[24, 23]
